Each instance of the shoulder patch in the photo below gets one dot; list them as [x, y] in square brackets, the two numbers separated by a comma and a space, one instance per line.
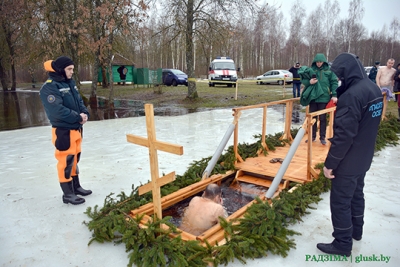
[51, 98]
[49, 81]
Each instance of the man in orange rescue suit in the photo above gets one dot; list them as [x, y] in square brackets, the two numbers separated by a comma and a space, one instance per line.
[67, 114]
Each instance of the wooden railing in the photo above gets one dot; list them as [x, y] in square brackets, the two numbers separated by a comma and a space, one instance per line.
[288, 123]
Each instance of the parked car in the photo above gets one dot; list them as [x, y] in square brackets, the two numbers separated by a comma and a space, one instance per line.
[368, 69]
[275, 76]
[174, 77]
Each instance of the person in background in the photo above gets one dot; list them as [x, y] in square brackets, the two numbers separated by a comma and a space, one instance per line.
[204, 212]
[396, 88]
[357, 119]
[296, 79]
[122, 70]
[328, 83]
[67, 114]
[374, 71]
[385, 78]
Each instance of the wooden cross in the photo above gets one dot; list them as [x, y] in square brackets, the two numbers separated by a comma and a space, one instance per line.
[154, 145]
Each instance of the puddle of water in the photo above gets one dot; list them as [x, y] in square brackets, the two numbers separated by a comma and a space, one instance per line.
[21, 110]
[24, 109]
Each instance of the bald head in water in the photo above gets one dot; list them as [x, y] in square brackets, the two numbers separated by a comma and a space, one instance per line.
[212, 191]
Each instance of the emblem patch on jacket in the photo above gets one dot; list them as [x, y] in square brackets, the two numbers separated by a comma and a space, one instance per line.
[51, 98]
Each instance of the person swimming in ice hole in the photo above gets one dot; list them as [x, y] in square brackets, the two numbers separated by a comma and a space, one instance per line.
[204, 212]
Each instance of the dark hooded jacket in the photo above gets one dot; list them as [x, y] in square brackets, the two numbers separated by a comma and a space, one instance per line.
[61, 100]
[358, 115]
[326, 79]
[396, 87]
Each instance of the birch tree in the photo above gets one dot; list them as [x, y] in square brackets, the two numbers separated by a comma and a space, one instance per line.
[296, 26]
[314, 33]
[394, 28]
[331, 12]
[211, 14]
[356, 13]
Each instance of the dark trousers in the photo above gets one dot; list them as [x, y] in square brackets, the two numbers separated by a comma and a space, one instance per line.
[322, 120]
[296, 88]
[347, 209]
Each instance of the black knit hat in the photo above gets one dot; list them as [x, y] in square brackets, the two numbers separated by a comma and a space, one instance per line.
[61, 63]
[377, 63]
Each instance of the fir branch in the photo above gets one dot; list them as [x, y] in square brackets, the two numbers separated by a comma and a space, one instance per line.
[262, 229]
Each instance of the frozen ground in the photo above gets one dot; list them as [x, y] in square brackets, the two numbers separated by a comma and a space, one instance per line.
[37, 229]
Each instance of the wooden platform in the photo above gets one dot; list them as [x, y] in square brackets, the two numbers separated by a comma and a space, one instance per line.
[297, 170]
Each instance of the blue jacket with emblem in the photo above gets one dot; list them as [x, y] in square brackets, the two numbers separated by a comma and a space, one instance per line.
[62, 101]
[357, 118]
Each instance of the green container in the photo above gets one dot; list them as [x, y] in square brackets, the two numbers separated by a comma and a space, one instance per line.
[143, 75]
[129, 72]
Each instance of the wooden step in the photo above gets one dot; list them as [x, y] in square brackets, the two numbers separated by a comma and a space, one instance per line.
[256, 179]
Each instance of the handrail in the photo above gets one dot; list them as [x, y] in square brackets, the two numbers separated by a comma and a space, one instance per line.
[288, 121]
[329, 134]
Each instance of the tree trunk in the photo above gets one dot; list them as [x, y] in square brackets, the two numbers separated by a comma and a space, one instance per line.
[109, 111]
[93, 89]
[13, 76]
[192, 90]
[104, 82]
[3, 77]
[10, 44]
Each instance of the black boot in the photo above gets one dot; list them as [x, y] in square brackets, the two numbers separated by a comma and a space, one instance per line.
[78, 188]
[330, 249]
[69, 195]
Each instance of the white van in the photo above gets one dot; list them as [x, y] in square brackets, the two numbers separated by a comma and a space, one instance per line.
[222, 70]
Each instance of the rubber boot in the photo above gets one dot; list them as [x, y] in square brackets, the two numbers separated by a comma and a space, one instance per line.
[78, 188]
[69, 195]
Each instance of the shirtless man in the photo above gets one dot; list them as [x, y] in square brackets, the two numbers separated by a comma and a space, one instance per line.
[384, 78]
[203, 212]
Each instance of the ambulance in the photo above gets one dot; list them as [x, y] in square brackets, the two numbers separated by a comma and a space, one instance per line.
[222, 71]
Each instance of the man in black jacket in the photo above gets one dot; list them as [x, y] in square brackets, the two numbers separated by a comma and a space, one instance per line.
[67, 114]
[374, 71]
[357, 118]
[296, 79]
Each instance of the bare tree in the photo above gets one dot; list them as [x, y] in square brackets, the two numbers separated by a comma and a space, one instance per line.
[331, 12]
[209, 15]
[12, 14]
[296, 26]
[356, 13]
[106, 20]
[395, 28]
[314, 33]
[275, 37]
[61, 28]
[91, 31]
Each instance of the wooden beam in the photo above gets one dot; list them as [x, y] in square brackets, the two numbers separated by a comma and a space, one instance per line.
[170, 177]
[154, 145]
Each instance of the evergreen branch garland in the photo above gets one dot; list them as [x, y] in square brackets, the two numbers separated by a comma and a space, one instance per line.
[263, 229]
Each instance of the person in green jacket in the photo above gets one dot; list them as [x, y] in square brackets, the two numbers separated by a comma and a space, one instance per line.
[328, 82]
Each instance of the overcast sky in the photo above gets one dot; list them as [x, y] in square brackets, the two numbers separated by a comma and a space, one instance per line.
[376, 14]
